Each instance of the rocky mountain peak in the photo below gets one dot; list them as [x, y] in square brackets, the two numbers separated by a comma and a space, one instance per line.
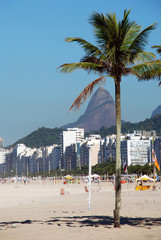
[100, 112]
[156, 111]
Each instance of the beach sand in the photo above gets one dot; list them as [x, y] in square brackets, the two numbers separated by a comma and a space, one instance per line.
[37, 211]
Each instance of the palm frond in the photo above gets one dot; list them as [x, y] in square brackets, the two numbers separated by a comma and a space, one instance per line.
[105, 28]
[145, 56]
[86, 92]
[158, 48]
[129, 32]
[140, 41]
[104, 66]
[125, 18]
[89, 48]
[147, 70]
[88, 66]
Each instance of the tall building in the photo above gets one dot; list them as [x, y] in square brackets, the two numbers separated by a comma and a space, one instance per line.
[46, 152]
[107, 149]
[55, 157]
[135, 148]
[135, 151]
[92, 143]
[3, 153]
[37, 160]
[70, 157]
[67, 138]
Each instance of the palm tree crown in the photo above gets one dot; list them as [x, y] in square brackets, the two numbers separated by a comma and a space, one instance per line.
[119, 51]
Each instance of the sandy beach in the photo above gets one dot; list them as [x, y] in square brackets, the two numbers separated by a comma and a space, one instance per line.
[36, 210]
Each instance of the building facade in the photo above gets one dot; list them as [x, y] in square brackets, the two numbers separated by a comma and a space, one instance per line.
[68, 138]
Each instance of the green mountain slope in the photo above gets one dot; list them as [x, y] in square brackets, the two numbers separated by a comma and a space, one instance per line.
[41, 137]
[153, 123]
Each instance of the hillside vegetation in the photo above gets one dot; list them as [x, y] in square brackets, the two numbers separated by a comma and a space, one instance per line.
[153, 123]
[41, 137]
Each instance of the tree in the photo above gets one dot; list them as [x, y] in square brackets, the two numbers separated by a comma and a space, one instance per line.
[158, 50]
[119, 52]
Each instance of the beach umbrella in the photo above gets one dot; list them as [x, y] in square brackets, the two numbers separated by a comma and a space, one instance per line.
[95, 176]
[13, 178]
[145, 178]
[68, 177]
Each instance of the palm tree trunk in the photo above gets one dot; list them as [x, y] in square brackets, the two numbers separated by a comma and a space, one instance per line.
[118, 156]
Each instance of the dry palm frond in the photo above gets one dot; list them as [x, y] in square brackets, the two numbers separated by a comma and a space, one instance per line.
[86, 92]
[158, 47]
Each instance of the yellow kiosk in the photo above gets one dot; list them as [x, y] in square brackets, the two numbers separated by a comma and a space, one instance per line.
[144, 183]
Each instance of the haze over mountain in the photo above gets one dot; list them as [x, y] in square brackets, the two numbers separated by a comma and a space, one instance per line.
[46, 136]
[100, 112]
[99, 117]
[156, 111]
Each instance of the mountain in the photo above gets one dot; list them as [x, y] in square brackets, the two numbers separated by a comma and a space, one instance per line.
[41, 137]
[100, 112]
[153, 123]
[156, 111]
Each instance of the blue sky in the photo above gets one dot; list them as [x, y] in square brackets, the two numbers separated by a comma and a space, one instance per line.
[33, 93]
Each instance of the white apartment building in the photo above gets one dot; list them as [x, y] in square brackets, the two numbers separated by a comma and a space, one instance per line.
[55, 158]
[135, 150]
[67, 138]
[71, 136]
[95, 147]
[92, 143]
[3, 153]
[24, 159]
[20, 148]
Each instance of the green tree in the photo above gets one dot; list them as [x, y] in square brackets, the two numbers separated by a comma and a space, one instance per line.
[158, 50]
[119, 51]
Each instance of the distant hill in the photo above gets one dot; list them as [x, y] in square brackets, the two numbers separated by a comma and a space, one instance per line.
[100, 112]
[153, 123]
[156, 111]
[46, 136]
[41, 137]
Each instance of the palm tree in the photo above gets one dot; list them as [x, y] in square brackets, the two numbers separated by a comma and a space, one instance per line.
[158, 50]
[119, 52]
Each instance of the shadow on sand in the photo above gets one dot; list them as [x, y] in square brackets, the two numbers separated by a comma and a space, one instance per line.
[91, 221]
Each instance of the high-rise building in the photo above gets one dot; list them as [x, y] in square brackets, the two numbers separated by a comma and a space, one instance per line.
[135, 151]
[67, 138]
[55, 157]
[135, 148]
[3, 153]
[92, 143]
